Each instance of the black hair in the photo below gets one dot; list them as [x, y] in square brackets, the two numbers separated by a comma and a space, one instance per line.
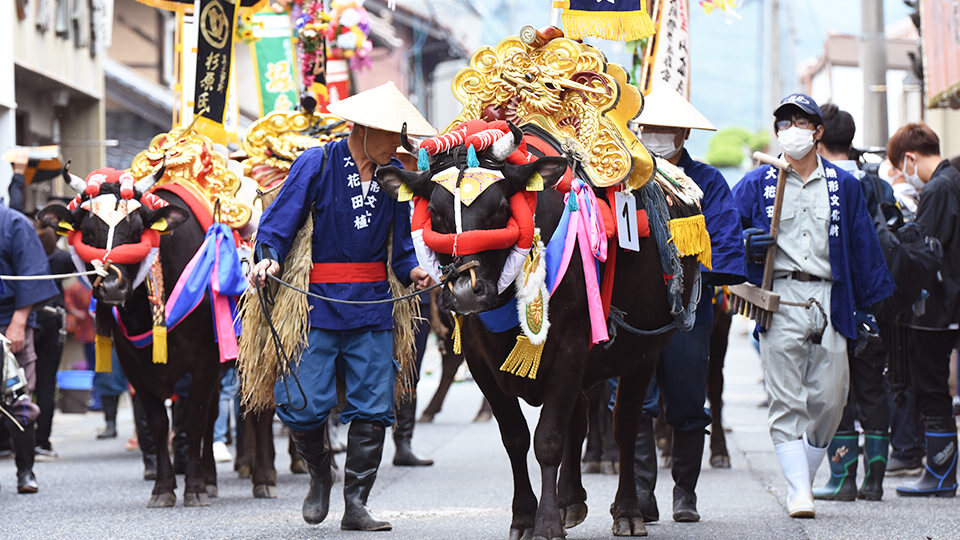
[838, 129]
[790, 111]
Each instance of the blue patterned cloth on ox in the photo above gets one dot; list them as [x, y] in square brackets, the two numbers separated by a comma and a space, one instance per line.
[860, 275]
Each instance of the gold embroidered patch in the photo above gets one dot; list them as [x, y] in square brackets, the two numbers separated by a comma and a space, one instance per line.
[474, 182]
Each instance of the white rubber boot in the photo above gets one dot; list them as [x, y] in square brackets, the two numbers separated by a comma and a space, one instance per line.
[796, 469]
[814, 457]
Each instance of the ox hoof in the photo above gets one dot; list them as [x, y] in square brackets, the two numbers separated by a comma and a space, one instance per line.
[629, 526]
[263, 491]
[518, 534]
[243, 472]
[425, 418]
[162, 500]
[573, 515]
[212, 491]
[196, 499]
[720, 461]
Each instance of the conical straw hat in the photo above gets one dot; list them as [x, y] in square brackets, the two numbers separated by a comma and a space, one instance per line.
[385, 108]
[665, 107]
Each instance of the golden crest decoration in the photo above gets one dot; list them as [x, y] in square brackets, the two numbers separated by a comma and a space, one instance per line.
[568, 89]
[193, 163]
[274, 141]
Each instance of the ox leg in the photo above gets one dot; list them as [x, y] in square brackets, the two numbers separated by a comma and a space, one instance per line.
[208, 464]
[573, 507]
[626, 511]
[166, 482]
[549, 443]
[450, 363]
[719, 339]
[264, 473]
[204, 389]
[516, 441]
[246, 446]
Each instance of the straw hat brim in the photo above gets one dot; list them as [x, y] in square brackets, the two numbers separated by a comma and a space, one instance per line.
[383, 107]
[666, 108]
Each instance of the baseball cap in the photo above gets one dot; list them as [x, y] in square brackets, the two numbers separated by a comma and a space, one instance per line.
[803, 101]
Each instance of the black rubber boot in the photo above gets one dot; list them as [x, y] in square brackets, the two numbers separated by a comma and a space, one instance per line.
[940, 474]
[148, 448]
[364, 450]
[24, 443]
[645, 469]
[180, 435]
[402, 434]
[842, 455]
[875, 447]
[687, 457]
[314, 448]
[110, 415]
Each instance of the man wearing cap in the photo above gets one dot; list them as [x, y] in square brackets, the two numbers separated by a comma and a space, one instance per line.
[681, 376]
[353, 221]
[828, 270]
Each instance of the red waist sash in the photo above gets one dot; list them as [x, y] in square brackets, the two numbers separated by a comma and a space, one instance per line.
[348, 272]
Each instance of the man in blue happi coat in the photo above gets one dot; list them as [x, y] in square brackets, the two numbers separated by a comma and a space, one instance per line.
[353, 221]
[21, 254]
[828, 271]
[681, 376]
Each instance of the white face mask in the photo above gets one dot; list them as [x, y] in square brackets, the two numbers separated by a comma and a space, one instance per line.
[796, 142]
[912, 179]
[661, 143]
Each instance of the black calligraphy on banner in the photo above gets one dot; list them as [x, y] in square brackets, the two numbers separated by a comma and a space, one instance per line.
[215, 26]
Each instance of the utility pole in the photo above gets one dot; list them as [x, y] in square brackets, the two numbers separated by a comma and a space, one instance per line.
[776, 86]
[873, 64]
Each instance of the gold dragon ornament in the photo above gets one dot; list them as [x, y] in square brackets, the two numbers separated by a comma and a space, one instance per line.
[274, 141]
[568, 89]
[193, 162]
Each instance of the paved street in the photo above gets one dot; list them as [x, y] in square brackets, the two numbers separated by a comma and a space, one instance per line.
[94, 490]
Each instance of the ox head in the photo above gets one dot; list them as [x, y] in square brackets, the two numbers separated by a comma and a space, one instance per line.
[472, 206]
[115, 219]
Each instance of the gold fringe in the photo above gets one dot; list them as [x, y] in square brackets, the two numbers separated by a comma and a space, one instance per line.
[524, 359]
[104, 354]
[258, 364]
[612, 25]
[457, 345]
[159, 344]
[690, 236]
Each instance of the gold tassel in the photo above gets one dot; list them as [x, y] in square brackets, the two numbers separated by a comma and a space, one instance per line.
[690, 236]
[524, 359]
[457, 321]
[612, 25]
[104, 350]
[159, 344]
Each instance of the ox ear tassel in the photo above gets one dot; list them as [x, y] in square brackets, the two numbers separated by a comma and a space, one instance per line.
[423, 160]
[472, 160]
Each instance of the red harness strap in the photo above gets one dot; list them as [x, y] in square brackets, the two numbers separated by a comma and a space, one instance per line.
[122, 254]
[347, 272]
[519, 230]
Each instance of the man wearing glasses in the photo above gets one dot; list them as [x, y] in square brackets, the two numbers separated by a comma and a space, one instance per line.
[828, 270]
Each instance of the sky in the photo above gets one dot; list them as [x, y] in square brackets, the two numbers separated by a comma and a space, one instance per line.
[728, 56]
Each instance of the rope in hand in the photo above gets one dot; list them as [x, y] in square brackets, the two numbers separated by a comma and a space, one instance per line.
[449, 272]
[99, 268]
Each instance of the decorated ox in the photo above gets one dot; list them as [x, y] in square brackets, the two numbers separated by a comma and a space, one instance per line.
[474, 213]
[116, 223]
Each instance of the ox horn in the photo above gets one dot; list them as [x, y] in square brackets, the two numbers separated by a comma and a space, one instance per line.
[506, 145]
[73, 180]
[144, 184]
[405, 142]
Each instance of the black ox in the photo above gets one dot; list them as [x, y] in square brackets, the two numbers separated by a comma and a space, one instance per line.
[569, 364]
[191, 344]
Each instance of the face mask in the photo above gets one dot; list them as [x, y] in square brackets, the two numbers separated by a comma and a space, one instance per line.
[912, 179]
[661, 143]
[796, 142]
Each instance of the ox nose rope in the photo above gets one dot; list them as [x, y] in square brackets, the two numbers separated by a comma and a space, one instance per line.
[102, 271]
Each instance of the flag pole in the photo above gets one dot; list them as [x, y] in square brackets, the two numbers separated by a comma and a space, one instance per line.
[555, 12]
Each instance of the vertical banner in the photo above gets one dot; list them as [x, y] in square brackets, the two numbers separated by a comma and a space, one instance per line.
[667, 59]
[274, 63]
[940, 21]
[185, 68]
[215, 23]
[338, 81]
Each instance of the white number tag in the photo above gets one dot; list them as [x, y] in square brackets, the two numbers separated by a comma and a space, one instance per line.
[627, 230]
